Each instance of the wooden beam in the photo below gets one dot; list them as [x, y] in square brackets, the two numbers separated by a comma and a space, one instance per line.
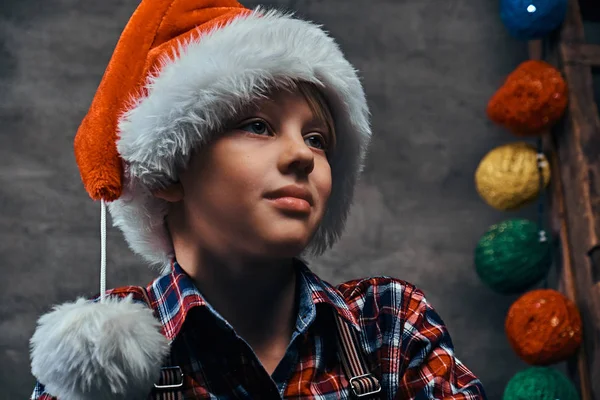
[567, 269]
[578, 157]
[577, 367]
[581, 53]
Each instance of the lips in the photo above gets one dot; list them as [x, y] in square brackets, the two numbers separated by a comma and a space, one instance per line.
[293, 191]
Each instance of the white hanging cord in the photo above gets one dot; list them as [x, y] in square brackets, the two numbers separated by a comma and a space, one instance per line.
[102, 251]
[541, 164]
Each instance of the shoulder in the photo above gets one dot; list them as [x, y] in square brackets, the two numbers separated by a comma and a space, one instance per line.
[387, 304]
[381, 291]
[137, 293]
[149, 294]
[134, 294]
[393, 312]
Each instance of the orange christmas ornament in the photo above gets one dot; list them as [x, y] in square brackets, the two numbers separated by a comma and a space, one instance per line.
[532, 99]
[544, 327]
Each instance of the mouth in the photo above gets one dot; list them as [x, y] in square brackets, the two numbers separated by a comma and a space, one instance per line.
[292, 198]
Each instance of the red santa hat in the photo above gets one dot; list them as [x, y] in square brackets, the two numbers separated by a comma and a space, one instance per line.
[181, 69]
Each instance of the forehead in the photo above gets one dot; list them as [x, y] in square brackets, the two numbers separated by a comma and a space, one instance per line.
[291, 100]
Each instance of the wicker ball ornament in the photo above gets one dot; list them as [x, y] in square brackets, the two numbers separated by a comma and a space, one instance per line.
[540, 383]
[508, 177]
[543, 327]
[532, 99]
[532, 19]
[510, 257]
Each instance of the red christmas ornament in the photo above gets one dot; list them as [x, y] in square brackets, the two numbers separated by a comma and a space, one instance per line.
[532, 99]
[543, 327]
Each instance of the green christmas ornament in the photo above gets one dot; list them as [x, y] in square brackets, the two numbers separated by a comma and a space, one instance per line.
[540, 383]
[512, 256]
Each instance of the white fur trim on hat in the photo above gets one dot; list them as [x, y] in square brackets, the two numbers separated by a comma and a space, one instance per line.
[213, 77]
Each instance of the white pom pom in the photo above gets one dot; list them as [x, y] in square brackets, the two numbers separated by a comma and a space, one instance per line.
[96, 351]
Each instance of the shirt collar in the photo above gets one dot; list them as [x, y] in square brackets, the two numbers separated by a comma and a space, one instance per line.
[322, 292]
[173, 296]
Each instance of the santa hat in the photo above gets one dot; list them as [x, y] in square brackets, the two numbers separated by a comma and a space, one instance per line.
[179, 71]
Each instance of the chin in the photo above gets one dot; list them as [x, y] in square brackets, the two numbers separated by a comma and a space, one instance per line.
[284, 236]
[285, 245]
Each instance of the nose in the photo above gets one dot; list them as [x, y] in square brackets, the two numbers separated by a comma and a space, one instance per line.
[296, 156]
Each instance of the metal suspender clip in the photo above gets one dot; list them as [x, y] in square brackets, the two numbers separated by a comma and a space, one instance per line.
[170, 378]
[370, 380]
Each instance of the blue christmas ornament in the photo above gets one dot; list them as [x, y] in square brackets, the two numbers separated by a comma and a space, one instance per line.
[532, 19]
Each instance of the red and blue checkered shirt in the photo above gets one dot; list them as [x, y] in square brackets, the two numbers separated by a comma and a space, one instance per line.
[404, 341]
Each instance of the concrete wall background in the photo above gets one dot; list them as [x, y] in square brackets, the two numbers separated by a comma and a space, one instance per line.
[429, 67]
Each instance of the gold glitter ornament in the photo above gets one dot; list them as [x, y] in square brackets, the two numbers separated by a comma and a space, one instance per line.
[508, 177]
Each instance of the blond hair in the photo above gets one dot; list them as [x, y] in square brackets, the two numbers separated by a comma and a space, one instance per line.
[319, 106]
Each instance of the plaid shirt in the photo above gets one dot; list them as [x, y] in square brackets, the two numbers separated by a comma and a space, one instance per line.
[403, 339]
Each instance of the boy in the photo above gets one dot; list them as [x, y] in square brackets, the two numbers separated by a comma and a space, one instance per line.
[227, 143]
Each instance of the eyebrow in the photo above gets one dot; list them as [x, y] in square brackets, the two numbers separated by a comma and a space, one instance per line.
[317, 122]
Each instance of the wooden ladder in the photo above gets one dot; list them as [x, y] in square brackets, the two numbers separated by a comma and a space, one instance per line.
[574, 149]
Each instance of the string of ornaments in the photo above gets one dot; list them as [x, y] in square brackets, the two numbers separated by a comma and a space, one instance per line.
[542, 326]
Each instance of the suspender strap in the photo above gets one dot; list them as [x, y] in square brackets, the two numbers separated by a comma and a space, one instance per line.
[363, 384]
[170, 383]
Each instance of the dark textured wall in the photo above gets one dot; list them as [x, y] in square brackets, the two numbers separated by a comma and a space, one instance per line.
[429, 68]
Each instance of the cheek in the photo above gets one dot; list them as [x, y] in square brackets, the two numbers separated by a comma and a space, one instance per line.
[322, 179]
[247, 174]
[226, 171]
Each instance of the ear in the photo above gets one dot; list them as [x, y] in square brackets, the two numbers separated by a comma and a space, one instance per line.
[172, 193]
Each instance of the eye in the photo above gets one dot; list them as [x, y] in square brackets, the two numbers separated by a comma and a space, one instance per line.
[317, 141]
[255, 127]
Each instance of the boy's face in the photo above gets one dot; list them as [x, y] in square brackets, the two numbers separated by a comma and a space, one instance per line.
[261, 188]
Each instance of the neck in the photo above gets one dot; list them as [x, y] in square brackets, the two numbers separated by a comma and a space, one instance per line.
[257, 297]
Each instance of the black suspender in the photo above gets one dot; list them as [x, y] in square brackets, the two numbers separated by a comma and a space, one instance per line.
[169, 386]
[363, 384]
[170, 382]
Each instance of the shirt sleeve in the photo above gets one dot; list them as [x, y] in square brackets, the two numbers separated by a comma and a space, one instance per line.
[39, 393]
[431, 370]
